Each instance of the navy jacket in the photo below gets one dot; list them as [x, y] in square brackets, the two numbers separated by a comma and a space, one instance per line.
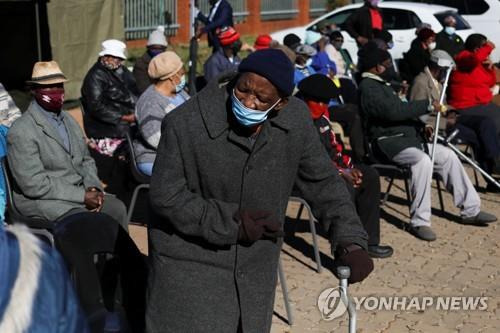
[223, 18]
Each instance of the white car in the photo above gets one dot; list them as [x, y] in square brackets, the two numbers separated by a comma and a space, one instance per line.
[401, 19]
[483, 16]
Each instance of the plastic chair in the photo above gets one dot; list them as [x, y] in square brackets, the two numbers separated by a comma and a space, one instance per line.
[38, 226]
[312, 226]
[139, 177]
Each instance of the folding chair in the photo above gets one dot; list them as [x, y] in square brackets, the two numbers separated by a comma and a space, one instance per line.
[312, 226]
[139, 177]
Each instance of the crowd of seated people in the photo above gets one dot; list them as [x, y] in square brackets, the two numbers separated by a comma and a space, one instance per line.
[59, 174]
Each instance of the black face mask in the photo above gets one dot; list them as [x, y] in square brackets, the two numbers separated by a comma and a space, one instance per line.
[389, 74]
[236, 47]
[338, 45]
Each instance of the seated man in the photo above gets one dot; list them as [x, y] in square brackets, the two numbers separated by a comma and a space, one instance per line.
[477, 130]
[395, 132]
[53, 171]
[226, 57]
[167, 92]
[362, 180]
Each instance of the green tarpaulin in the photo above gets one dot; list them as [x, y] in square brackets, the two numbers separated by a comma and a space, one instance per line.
[77, 28]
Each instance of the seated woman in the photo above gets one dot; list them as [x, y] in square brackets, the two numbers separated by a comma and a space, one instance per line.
[165, 94]
[362, 181]
[470, 93]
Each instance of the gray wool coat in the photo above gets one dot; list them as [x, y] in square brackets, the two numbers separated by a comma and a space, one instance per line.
[50, 179]
[202, 280]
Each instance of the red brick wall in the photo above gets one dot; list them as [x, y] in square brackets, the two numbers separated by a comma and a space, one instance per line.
[253, 25]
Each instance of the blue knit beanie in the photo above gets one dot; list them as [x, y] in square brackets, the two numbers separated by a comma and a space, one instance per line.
[274, 65]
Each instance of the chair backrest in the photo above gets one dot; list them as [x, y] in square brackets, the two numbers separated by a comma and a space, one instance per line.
[14, 215]
[136, 173]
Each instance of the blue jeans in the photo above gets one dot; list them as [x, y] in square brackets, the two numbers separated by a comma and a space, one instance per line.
[145, 168]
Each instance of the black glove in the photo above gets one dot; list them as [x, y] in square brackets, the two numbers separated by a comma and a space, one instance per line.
[256, 224]
[357, 259]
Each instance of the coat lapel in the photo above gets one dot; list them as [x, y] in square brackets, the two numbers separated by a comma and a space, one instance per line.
[44, 124]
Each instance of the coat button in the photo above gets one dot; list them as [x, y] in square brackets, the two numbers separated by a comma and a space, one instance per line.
[239, 273]
[248, 168]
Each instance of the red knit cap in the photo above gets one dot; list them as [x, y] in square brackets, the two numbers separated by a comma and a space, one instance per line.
[262, 42]
[425, 34]
[227, 36]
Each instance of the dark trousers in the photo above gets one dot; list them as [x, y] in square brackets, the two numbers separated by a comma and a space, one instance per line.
[366, 199]
[118, 281]
[347, 115]
[480, 127]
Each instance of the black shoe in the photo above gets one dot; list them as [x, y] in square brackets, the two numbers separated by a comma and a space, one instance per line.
[423, 232]
[481, 218]
[380, 251]
[492, 188]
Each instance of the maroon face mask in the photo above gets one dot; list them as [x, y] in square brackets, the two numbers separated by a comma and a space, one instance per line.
[50, 99]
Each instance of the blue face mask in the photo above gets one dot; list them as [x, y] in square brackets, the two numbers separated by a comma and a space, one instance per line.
[249, 117]
[154, 52]
[390, 45]
[449, 30]
[179, 87]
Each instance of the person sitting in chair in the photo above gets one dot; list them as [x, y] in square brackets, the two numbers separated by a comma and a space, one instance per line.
[362, 181]
[53, 172]
[396, 133]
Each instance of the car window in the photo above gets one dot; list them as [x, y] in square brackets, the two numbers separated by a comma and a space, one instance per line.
[462, 24]
[337, 18]
[399, 19]
[477, 7]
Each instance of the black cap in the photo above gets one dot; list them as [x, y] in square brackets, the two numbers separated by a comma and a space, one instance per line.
[318, 87]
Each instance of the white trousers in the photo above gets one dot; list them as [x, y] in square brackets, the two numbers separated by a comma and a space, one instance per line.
[456, 181]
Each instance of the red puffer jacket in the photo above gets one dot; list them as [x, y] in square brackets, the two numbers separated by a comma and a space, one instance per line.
[470, 83]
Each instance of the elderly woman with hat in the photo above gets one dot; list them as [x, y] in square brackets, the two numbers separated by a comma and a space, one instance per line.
[109, 94]
[157, 44]
[226, 164]
[167, 93]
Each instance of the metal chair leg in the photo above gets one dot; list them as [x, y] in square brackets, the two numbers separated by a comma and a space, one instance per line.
[386, 194]
[134, 199]
[408, 194]
[440, 194]
[284, 290]
[312, 226]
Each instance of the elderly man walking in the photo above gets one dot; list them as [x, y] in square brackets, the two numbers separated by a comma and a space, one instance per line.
[226, 165]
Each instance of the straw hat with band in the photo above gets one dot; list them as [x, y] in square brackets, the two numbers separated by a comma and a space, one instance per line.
[47, 72]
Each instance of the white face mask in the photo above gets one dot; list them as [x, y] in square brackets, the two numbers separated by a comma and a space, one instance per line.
[432, 46]
[309, 62]
[449, 30]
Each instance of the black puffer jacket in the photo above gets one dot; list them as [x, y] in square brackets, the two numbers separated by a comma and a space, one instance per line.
[106, 96]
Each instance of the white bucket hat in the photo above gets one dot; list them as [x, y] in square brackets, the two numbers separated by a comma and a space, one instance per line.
[113, 47]
[157, 37]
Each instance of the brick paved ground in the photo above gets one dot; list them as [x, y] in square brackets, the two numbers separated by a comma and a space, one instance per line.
[464, 261]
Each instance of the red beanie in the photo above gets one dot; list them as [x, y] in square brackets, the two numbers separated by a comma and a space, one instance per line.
[262, 42]
[227, 36]
[425, 34]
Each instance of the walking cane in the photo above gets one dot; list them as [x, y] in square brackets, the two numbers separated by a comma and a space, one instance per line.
[343, 273]
[447, 143]
[438, 117]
